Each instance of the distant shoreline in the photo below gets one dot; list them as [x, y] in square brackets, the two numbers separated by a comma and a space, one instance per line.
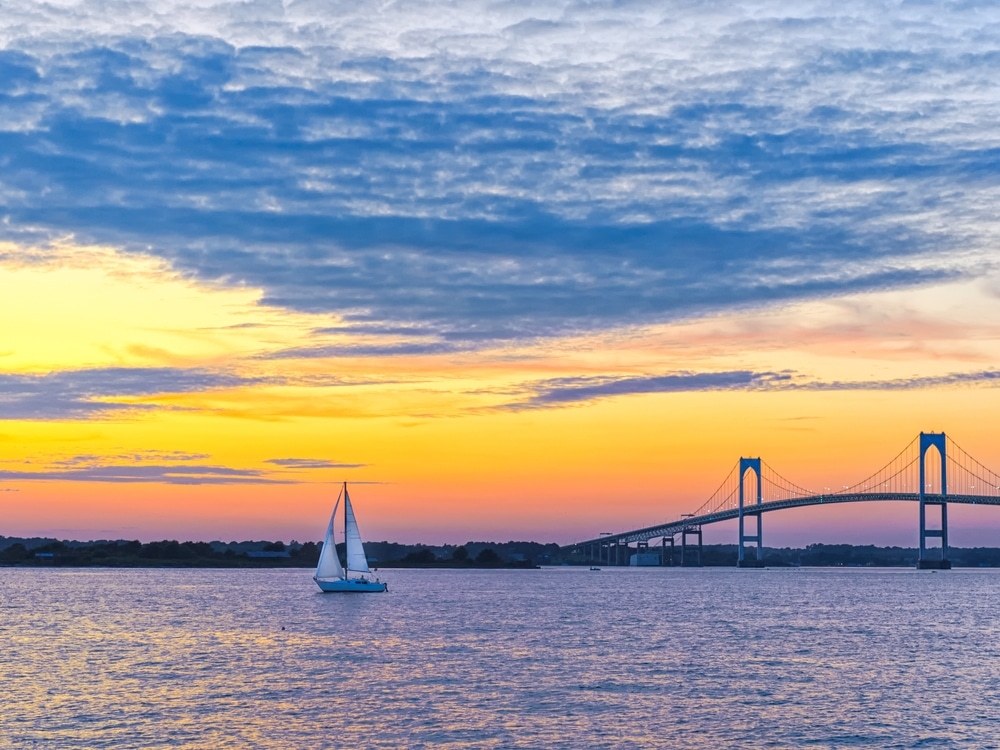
[37, 552]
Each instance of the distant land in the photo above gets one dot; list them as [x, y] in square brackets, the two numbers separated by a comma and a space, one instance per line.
[39, 551]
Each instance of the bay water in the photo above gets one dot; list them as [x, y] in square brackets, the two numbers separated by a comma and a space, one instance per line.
[551, 658]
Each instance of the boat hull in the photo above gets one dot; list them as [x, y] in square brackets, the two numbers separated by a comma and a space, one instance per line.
[349, 585]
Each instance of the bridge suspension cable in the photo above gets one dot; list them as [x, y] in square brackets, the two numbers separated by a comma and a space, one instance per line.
[776, 487]
[900, 475]
[966, 476]
[773, 487]
[724, 498]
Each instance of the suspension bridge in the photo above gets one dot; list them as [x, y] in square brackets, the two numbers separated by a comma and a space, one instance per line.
[932, 470]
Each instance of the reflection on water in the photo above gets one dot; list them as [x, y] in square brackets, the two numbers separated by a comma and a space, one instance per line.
[681, 658]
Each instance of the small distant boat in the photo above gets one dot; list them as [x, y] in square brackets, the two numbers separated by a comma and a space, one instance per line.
[593, 568]
[330, 574]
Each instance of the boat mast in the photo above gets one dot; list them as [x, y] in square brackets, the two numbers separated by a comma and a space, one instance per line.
[347, 562]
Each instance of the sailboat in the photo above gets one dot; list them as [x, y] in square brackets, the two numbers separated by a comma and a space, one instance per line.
[330, 574]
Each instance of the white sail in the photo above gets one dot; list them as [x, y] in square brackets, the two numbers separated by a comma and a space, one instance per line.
[356, 560]
[329, 564]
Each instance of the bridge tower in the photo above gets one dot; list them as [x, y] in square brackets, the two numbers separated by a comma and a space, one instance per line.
[930, 440]
[750, 464]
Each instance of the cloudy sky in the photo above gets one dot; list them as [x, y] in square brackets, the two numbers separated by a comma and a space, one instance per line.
[525, 270]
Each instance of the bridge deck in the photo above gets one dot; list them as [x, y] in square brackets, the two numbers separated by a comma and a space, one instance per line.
[675, 527]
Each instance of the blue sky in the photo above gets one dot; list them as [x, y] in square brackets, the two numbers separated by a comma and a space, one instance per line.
[506, 171]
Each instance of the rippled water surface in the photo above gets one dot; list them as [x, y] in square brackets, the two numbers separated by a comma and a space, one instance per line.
[570, 658]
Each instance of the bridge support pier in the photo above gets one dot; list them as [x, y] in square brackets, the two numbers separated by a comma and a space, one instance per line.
[667, 558]
[691, 559]
[925, 561]
[750, 464]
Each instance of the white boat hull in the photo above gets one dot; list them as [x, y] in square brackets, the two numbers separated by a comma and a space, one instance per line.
[349, 585]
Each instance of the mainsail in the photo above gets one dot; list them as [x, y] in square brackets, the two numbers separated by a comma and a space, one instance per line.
[356, 560]
[329, 563]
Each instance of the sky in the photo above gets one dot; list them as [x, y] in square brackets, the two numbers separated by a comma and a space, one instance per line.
[512, 270]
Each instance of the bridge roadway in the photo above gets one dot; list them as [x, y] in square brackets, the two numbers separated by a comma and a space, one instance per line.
[676, 527]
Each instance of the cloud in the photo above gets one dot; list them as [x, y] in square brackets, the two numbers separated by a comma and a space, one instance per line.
[505, 171]
[311, 463]
[124, 392]
[167, 474]
[100, 393]
[568, 391]
[366, 350]
[980, 378]
[162, 467]
[138, 456]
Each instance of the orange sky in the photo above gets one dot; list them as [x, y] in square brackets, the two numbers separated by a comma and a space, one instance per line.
[457, 446]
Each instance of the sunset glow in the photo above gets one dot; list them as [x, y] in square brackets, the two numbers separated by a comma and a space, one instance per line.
[550, 281]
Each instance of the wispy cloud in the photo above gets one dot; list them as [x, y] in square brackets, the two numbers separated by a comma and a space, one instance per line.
[367, 350]
[311, 463]
[568, 391]
[510, 170]
[166, 474]
[135, 457]
[162, 467]
[982, 377]
[100, 392]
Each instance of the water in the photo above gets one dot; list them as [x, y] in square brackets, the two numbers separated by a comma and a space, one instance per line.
[558, 658]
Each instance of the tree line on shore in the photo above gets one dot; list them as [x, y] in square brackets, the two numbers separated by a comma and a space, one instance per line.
[258, 554]
[474, 554]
